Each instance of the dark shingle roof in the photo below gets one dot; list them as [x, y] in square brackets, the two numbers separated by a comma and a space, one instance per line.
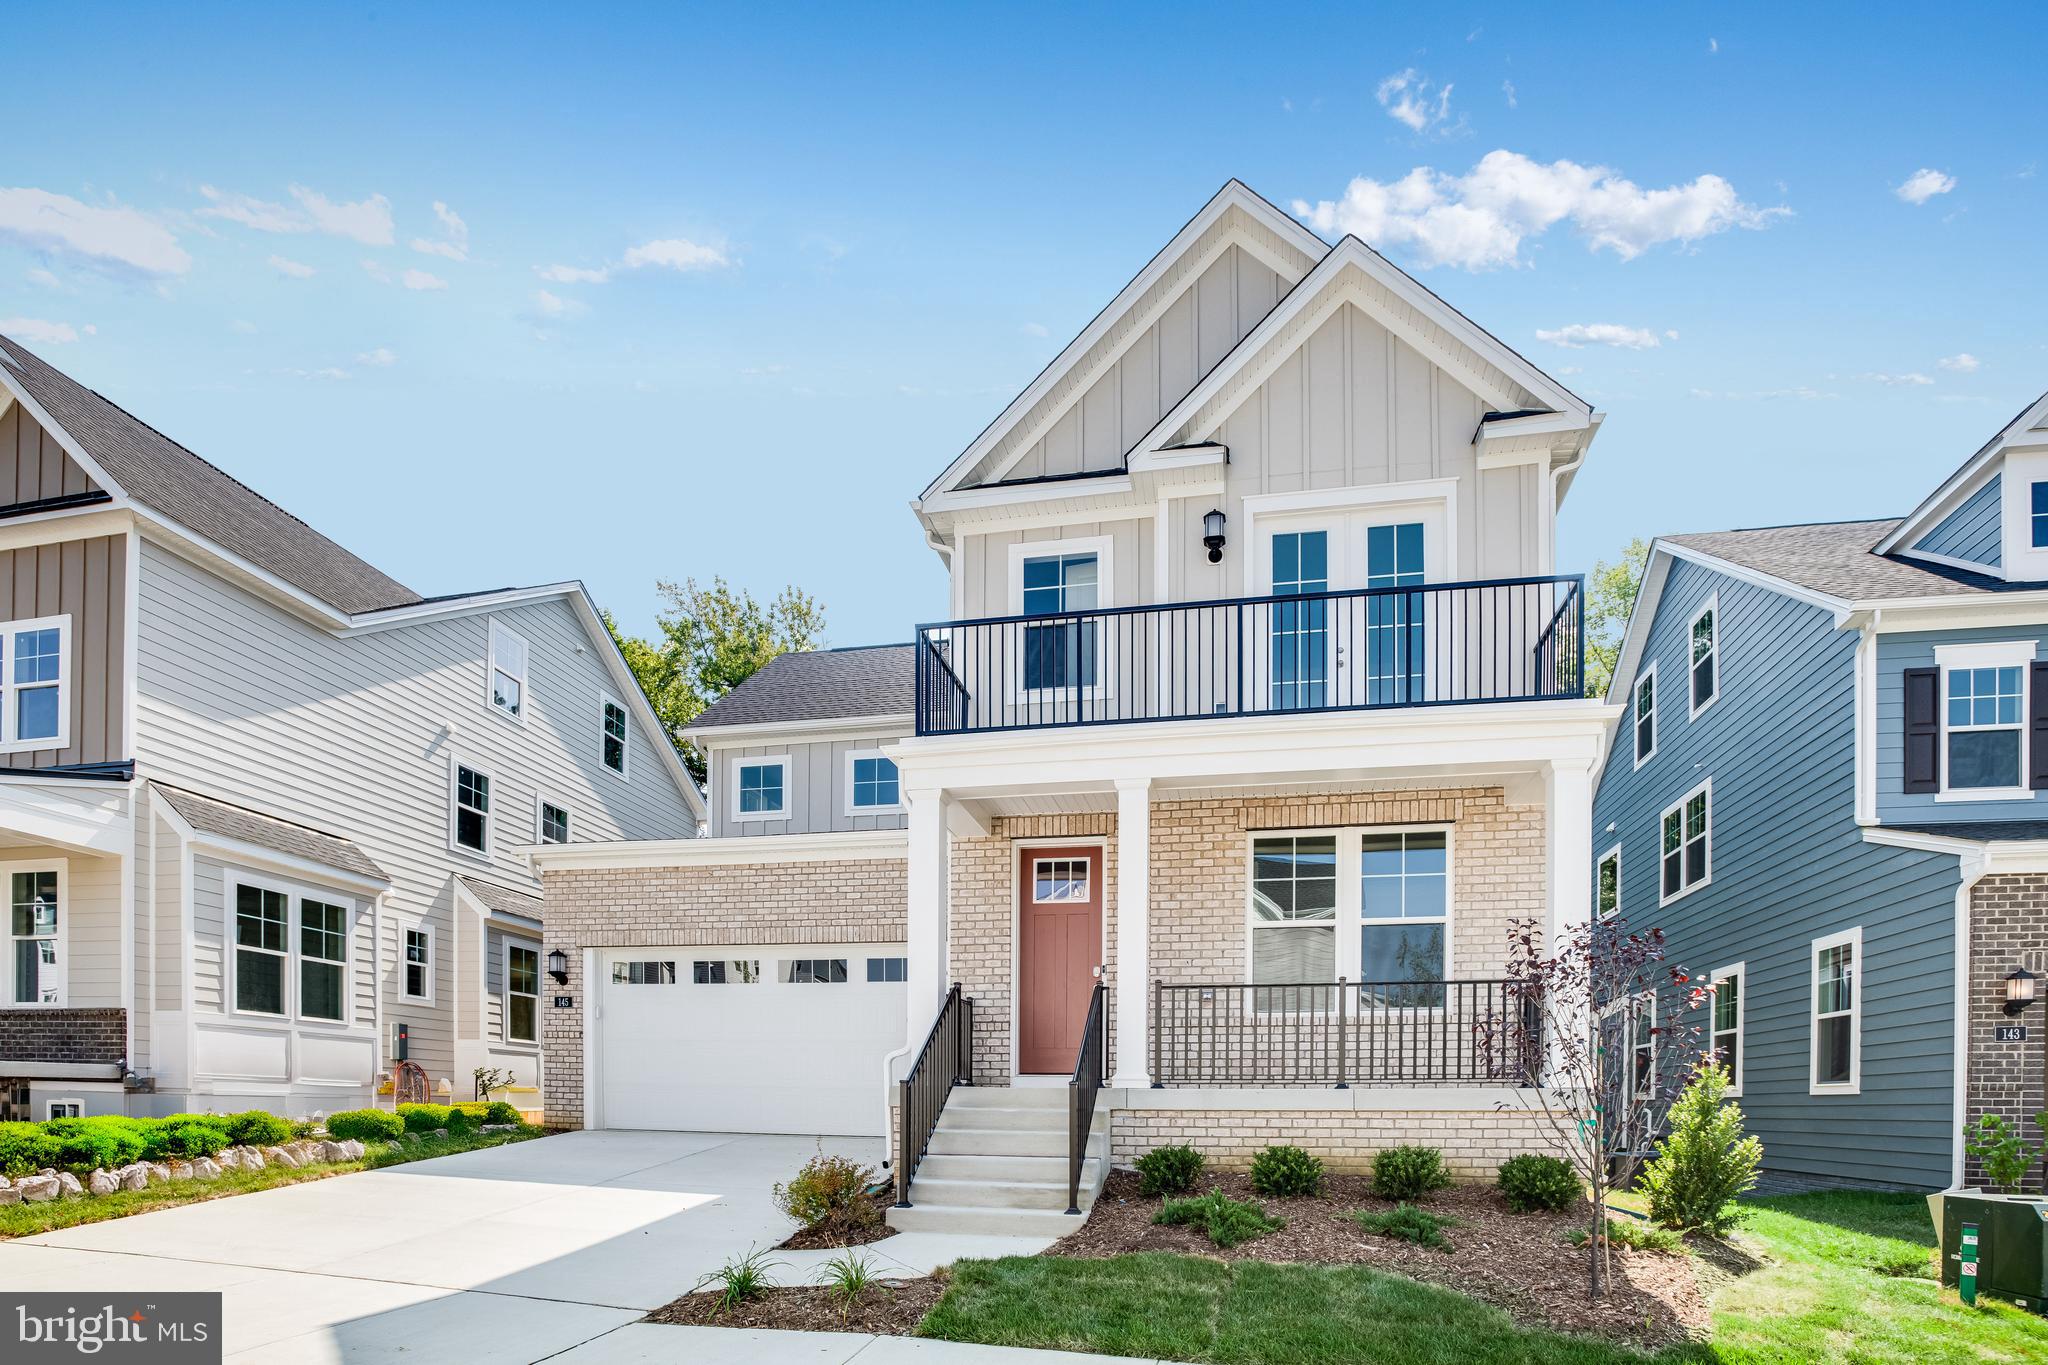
[243, 825]
[1834, 558]
[502, 900]
[168, 479]
[1982, 831]
[824, 684]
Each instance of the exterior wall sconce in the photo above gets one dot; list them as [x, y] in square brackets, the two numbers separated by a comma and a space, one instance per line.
[2019, 990]
[558, 967]
[1212, 535]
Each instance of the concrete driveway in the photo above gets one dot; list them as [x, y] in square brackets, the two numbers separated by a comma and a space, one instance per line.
[511, 1254]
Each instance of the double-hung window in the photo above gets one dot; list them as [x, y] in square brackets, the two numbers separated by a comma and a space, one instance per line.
[551, 822]
[323, 961]
[522, 994]
[469, 816]
[1706, 656]
[1687, 843]
[1644, 712]
[508, 672]
[1370, 905]
[1837, 1014]
[35, 684]
[1404, 903]
[871, 784]
[1726, 1033]
[35, 937]
[262, 933]
[1060, 654]
[1607, 883]
[760, 788]
[1986, 727]
[2037, 514]
[612, 732]
[419, 964]
[1293, 916]
[291, 955]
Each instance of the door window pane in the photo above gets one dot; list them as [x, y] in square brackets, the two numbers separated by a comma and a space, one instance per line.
[1394, 629]
[1300, 646]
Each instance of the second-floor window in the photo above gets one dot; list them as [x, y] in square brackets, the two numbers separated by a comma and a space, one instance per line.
[508, 672]
[2038, 514]
[1607, 883]
[612, 735]
[1687, 839]
[553, 823]
[1985, 710]
[1061, 654]
[872, 784]
[760, 788]
[470, 826]
[419, 964]
[1645, 712]
[1706, 656]
[35, 684]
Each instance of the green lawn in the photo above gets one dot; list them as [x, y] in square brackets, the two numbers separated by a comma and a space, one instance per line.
[1842, 1277]
[25, 1220]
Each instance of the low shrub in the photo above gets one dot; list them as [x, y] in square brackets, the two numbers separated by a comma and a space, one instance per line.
[1407, 1223]
[85, 1145]
[1533, 1181]
[1626, 1232]
[186, 1136]
[1704, 1163]
[1282, 1172]
[740, 1280]
[423, 1118]
[2000, 1151]
[366, 1125]
[1408, 1172]
[830, 1189]
[461, 1122]
[497, 1111]
[305, 1128]
[25, 1148]
[1227, 1221]
[1169, 1170]
[258, 1128]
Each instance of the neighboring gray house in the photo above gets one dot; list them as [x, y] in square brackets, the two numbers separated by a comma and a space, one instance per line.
[1830, 789]
[266, 808]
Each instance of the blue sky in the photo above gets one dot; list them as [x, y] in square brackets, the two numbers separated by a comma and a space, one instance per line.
[719, 292]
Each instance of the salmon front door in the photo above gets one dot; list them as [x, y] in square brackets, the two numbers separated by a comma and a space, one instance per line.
[1059, 946]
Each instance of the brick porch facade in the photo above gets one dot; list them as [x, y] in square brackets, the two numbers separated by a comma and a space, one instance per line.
[2008, 929]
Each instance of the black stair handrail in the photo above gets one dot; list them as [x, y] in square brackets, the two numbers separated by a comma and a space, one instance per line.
[1082, 1090]
[945, 1060]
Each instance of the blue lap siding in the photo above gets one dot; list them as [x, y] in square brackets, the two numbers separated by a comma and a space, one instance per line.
[1971, 532]
[1789, 865]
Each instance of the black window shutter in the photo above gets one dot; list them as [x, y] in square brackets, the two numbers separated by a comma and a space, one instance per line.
[2037, 723]
[1923, 729]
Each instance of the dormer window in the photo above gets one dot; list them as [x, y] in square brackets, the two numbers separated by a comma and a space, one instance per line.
[2038, 513]
[508, 673]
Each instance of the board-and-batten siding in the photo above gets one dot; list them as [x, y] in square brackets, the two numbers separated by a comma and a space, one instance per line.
[1972, 532]
[351, 735]
[1789, 865]
[817, 788]
[87, 581]
[1896, 654]
[33, 466]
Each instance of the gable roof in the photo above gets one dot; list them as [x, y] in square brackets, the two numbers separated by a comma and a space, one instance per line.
[2030, 426]
[245, 826]
[157, 473]
[1839, 560]
[502, 900]
[826, 684]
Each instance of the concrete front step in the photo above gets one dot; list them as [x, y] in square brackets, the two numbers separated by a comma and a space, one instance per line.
[996, 1194]
[1008, 1097]
[1046, 1169]
[1011, 1116]
[956, 1141]
[965, 1219]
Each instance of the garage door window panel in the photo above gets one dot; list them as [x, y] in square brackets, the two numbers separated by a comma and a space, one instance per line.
[643, 973]
[820, 971]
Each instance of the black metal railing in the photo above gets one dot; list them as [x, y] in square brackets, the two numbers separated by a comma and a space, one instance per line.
[1444, 644]
[945, 1060]
[1089, 1069]
[1345, 1033]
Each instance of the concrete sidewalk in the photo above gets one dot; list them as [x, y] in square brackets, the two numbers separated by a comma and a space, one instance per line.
[646, 1343]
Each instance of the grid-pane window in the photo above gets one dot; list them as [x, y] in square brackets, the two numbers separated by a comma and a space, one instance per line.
[1684, 849]
[888, 968]
[554, 823]
[1727, 1031]
[1646, 716]
[762, 789]
[419, 963]
[1607, 884]
[1059, 879]
[1061, 654]
[1705, 658]
[1395, 649]
[1404, 902]
[508, 672]
[1294, 909]
[38, 683]
[613, 740]
[1834, 1014]
[34, 939]
[472, 808]
[1985, 707]
[323, 960]
[739, 973]
[261, 934]
[1300, 630]
[814, 970]
[522, 994]
[874, 782]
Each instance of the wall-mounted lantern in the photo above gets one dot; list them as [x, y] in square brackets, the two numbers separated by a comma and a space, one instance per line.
[1212, 535]
[558, 966]
[2019, 990]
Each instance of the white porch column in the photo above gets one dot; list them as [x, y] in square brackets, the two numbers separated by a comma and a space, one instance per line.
[1131, 973]
[1568, 822]
[926, 873]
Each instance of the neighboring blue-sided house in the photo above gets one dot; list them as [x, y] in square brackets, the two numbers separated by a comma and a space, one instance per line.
[1830, 790]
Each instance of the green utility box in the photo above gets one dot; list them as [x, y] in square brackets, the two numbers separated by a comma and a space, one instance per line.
[2009, 1258]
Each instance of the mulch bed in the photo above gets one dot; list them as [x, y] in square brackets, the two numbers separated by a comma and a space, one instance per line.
[892, 1309]
[1521, 1263]
[839, 1233]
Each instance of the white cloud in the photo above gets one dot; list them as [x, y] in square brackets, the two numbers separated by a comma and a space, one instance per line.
[1508, 88]
[383, 357]
[550, 305]
[1910, 380]
[1923, 184]
[456, 244]
[244, 326]
[330, 372]
[676, 253]
[110, 238]
[572, 274]
[1035, 329]
[1960, 363]
[1801, 394]
[1713, 46]
[44, 278]
[367, 220]
[376, 271]
[420, 279]
[296, 270]
[1602, 334]
[40, 331]
[1410, 98]
[1479, 220]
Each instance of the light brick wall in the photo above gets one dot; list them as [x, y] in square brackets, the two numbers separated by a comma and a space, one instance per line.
[849, 901]
[2008, 928]
[1474, 1142]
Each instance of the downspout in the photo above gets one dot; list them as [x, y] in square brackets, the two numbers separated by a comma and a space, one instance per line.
[1973, 866]
[377, 999]
[1865, 751]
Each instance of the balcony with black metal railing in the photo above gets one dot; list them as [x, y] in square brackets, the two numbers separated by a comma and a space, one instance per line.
[1439, 644]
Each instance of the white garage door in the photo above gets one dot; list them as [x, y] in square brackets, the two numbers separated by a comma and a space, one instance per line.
[755, 1039]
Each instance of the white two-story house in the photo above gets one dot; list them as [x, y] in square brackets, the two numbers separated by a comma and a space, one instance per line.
[1254, 724]
[264, 808]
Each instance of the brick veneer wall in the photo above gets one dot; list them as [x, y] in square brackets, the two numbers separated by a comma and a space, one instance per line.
[2008, 928]
[844, 901]
[65, 1035]
[1474, 1142]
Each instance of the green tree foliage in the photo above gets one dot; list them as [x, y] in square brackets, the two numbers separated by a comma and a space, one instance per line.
[709, 640]
[1610, 596]
[1705, 1163]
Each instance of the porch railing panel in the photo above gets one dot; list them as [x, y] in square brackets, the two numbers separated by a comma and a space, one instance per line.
[945, 1060]
[1443, 644]
[1090, 1066]
[1308, 1033]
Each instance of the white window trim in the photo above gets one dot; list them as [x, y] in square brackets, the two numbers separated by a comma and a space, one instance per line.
[10, 742]
[50, 1108]
[1635, 700]
[2022, 562]
[1712, 604]
[541, 799]
[857, 811]
[433, 955]
[63, 870]
[624, 771]
[1738, 973]
[456, 762]
[1104, 550]
[1679, 805]
[539, 989]
[788, 792]
[1988, 654]
[1615, 854]
[295, 897]
[234, 882]
[491, 669]
[296, 945]
[1854, 1085]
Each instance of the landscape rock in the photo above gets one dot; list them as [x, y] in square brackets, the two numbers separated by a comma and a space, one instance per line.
[159, 1172]
[252, 1160]
[99, 1182]
[440, 1132]
[181, 1170]
[499, 1128]
[9, 1195]
[281, 1157]
[206, 1168]
[230, 1159]
[135, 1177]
[68, 1183]
[333, 1151]
[38, 1189]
